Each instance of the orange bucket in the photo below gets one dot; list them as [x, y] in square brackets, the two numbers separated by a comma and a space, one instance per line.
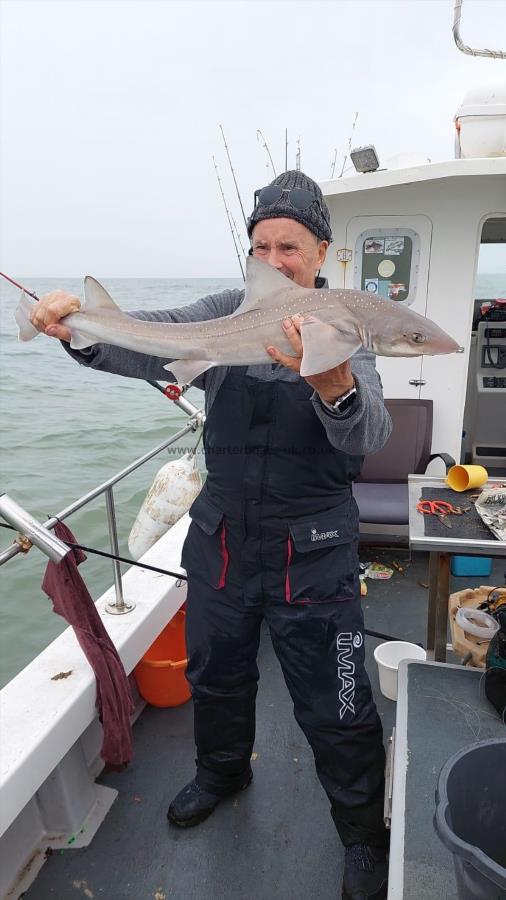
[160, 673]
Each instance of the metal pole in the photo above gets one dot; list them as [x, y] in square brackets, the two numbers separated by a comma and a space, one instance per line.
[120, 606]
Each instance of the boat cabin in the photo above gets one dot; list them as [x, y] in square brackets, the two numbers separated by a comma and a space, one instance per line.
[413, 234]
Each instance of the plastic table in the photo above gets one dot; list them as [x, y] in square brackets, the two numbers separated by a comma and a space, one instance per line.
[440, 550]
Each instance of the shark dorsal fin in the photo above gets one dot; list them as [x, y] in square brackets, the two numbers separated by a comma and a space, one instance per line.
[96, 296]
[262, 280]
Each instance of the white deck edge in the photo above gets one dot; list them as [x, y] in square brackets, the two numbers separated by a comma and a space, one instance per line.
[385, 178]
[42, 719]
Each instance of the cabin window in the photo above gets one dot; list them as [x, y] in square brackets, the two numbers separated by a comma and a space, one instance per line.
[387, 263]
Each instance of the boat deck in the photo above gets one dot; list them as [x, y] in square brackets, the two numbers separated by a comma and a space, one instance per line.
[275, 841]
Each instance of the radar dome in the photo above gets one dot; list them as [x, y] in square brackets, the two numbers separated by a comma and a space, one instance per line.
[480, 123]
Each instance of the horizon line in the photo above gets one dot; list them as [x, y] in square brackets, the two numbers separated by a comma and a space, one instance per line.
[193, 277]
[144, 277]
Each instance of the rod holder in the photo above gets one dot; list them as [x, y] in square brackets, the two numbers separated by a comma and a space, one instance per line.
[41, 537]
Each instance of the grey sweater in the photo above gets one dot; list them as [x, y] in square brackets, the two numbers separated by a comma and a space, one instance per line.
[362, 429]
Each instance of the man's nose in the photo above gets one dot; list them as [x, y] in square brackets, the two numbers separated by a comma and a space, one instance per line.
[274, 258]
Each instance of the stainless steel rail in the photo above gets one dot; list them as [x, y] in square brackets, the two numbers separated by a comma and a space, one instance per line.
[32, 531]
[120, 606]
[457, 15]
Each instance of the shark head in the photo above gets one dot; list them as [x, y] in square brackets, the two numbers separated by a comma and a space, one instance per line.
[406, 333]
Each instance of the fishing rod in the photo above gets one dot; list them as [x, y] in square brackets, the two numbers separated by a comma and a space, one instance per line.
[170, 391]
[347, 151]
[235, 180]
[20, 286]
[230, 215]
[297, 155]
[230, 220]
[333, 167]
[266, 147]
[349, 145]
[234, 223]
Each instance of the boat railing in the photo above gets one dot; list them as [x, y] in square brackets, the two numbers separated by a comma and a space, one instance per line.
[470, 51]
[34, 532]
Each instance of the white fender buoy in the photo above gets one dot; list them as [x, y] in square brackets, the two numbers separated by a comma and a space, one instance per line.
[172, 493]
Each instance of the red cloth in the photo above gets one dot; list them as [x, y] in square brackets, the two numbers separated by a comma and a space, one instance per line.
[71, 599]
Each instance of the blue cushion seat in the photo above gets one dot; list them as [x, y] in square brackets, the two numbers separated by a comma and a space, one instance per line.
[382, 504]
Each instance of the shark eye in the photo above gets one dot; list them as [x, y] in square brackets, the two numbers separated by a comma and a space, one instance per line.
[418, 338]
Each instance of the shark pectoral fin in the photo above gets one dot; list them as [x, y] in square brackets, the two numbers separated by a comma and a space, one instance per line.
[324, 347]
[79, 341]
[263, 280]
[96, 297]
[186, 370]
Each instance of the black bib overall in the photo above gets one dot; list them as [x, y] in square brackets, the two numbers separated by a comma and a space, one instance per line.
[274, 534]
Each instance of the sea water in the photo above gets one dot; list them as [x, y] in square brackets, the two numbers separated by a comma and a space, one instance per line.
[66, 429]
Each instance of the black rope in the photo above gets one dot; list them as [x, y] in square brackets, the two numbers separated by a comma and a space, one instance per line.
[179, 576]
[123, 559]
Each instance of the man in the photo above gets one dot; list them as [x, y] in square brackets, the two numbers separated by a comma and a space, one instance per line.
[274, 534]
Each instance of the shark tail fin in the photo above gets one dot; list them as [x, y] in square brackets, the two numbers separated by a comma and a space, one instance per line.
[27, 331]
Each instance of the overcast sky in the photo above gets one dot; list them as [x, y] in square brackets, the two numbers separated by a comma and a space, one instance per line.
[110, 115]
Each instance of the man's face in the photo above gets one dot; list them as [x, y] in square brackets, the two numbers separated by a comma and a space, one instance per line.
[290, 247]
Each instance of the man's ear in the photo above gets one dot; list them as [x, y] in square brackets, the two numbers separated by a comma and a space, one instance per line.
[322, 251]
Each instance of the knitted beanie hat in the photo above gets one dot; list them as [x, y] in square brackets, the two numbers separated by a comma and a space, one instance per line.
[315, 217]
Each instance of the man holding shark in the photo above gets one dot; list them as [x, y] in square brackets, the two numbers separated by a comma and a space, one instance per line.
[274, 535]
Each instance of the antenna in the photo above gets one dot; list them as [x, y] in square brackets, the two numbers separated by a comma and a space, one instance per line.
[266, 148]
[229, 219]
[286, 149]
[349, 145]
[233, 176]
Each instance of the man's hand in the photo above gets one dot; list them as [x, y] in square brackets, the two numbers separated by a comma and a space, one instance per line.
[50, 309]
[329, 385]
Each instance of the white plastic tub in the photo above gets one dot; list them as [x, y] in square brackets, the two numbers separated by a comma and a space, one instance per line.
[388, 657]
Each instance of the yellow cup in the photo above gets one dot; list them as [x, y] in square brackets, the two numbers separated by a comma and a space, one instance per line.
[461, 478]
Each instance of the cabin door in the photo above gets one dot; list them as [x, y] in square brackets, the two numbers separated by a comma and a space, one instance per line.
[390, 259]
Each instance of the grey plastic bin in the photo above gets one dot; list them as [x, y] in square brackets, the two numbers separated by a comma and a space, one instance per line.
[470, 818]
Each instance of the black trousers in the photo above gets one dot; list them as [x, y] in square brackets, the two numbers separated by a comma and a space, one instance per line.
[321, 651]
